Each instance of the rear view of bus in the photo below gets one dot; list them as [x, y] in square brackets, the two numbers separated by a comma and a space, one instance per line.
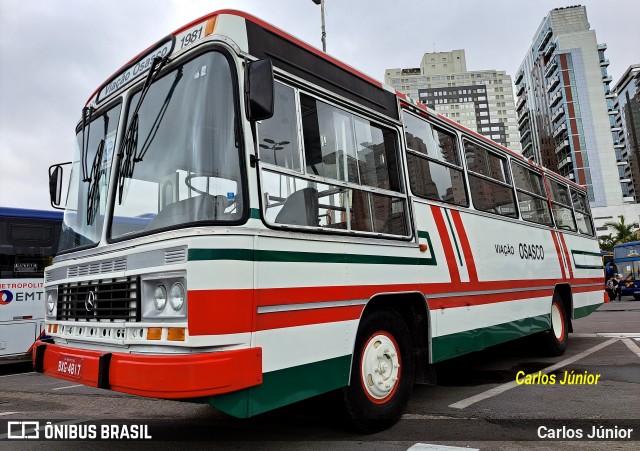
[28, 241]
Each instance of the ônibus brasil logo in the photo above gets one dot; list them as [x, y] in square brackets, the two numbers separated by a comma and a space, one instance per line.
[6, 296]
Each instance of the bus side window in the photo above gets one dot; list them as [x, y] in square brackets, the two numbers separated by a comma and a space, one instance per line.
[561, 206]
[489, 182]
[278, 136]
[434, 166]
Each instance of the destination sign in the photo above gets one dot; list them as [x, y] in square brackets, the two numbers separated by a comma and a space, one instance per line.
[134, 71]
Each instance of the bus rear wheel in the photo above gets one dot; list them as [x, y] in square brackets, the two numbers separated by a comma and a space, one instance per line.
[382, 372]
[555, 339]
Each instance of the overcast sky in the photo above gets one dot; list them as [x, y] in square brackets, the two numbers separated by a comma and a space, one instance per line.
[55, 53]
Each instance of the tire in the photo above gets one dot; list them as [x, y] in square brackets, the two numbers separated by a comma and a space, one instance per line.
[636, 297]
[382, 372]
[555, 339]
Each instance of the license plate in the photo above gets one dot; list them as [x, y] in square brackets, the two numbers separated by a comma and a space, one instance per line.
[70, 366]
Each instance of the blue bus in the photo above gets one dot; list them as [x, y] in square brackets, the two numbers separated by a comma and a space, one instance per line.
[626, 257]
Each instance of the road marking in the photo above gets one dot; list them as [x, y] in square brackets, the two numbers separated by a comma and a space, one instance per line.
[68, 386]
[430, 447]
[634, 335]
[631, 345]
[417, 416]
[509, 385]
[19, 374]
[2, 414]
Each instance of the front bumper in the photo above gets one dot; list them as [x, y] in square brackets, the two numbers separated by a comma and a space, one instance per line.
[157, 376]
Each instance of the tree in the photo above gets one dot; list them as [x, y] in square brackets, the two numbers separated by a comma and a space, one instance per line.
[607, 242]
[623, 232]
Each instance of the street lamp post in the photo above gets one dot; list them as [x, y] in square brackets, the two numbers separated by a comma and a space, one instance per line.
[324, 33]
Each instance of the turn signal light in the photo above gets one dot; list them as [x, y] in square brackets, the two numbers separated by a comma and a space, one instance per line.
[154, 333]
[176, 334]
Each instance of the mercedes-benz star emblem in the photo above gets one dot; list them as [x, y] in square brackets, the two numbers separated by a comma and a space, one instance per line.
[90, 301]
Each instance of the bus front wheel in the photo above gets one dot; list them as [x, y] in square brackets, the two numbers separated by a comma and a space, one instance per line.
[382, 372]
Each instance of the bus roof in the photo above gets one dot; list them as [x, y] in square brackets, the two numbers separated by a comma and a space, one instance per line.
[24, 213]
[630, 243]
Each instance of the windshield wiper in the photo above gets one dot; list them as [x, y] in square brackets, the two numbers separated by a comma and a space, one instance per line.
[130, 142]
[93, 194]
[156, 123]
[86, 125]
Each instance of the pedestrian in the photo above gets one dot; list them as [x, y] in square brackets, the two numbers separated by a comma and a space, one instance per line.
[610, 288]
[617, 287]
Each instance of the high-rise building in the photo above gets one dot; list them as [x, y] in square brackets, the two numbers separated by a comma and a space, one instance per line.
[567, 114]
[481, 100]
[565, 106]
[626, 133]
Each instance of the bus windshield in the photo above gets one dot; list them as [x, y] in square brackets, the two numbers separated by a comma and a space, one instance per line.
[181, 158]
[87, 196]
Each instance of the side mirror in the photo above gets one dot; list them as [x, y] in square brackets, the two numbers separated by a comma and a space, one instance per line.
[259, 90]
[55, 184]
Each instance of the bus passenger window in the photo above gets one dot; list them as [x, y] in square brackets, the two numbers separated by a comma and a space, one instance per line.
[488, 181]
[432, 159]
[583, 214]
[532, 197]
[278, 136]
[561, 206]
[352, 176]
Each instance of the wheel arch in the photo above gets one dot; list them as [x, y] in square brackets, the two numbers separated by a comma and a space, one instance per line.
[564, 292]
[413, 307]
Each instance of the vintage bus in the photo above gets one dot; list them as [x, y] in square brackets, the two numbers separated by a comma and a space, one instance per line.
[251, 222]
[28, 241]
[626, 258]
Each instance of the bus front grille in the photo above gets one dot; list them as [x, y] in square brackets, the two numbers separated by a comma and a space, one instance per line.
[106, 299]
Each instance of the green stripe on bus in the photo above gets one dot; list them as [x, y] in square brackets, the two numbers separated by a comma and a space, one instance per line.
[453, 345]
[455, 240]
[424, 234]
[254, 213]
[587, 310]
[286, 386]
[303, 257]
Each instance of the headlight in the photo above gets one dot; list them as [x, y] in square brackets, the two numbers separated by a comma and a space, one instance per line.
[51, 303]
[164, 296]
[160, 297]
[176, 297]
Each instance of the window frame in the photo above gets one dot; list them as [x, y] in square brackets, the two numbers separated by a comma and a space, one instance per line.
[507, 173]
[437, 161]
[587, 213]
[127, 99]
[554, 202]
[544, 197]
[349, 109]
[300, 141]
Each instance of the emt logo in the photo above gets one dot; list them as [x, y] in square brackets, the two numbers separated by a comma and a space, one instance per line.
[6, 297]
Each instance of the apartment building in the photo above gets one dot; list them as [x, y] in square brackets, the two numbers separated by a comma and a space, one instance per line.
[481, 100]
